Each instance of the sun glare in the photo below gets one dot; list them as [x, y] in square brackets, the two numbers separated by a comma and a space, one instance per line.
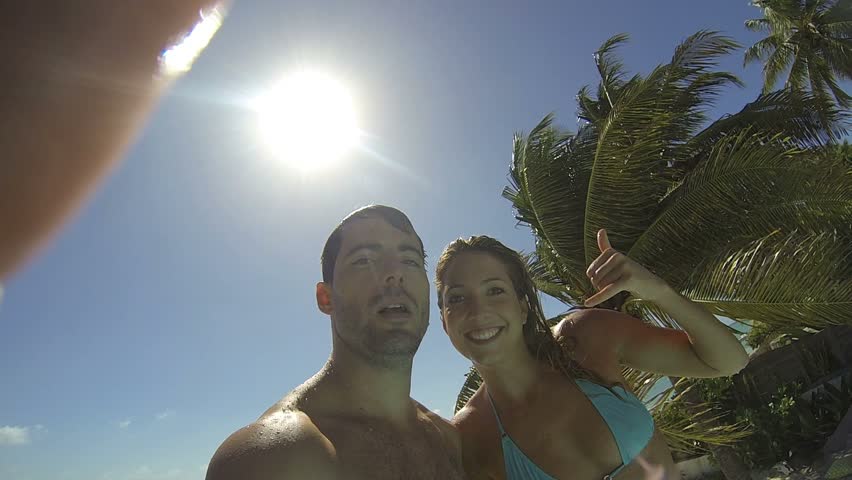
[308, 121]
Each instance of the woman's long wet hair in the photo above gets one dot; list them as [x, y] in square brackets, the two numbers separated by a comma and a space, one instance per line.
[538, 337]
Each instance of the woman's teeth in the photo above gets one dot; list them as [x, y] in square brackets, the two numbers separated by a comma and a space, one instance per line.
[484, 334]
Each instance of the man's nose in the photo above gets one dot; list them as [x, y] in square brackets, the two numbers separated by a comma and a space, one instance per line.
[393, 272]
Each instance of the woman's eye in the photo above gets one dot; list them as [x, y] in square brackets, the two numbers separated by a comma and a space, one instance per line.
[495, 291]
[454, 299]
[413, 263]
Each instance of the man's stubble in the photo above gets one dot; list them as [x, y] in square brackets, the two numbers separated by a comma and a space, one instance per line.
[382, 347]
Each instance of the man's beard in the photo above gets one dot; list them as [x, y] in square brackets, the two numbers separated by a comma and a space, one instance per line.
[386, 348]
[382, 347]
[392, 344]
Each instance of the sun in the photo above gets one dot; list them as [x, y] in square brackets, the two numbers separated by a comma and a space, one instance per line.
[308, 121]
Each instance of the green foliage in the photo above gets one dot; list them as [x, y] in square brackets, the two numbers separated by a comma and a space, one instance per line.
[471, 385]
[785, 424]
[774, 426]
[809, 41]
[759, 333]
[690, 428]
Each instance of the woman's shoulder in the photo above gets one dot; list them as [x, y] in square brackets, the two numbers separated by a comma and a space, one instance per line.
[476, 422]
[474, 414]
[591, 323]
[480, 437]
[592, 337]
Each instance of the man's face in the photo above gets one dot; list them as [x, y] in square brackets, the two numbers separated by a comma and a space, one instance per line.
[380, 293]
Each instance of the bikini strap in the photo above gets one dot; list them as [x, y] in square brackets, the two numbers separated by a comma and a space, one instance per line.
[496, 415]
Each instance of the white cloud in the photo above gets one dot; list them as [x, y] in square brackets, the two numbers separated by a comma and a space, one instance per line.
[203, 468]
[165, 414]
[10, 435]
[173, 473]
[142, 472]
[437, 411]
[146, 473]
[124, 423]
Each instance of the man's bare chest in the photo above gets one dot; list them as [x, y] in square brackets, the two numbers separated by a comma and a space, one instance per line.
[373, 452]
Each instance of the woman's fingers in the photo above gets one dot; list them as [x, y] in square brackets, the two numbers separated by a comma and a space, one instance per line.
[598, 262]
[608, 292]
[603, 241]
[613, 276]
[609, 272]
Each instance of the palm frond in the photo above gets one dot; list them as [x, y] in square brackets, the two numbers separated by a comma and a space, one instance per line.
[813, 40]
[777, 64]
[762, 49]
[799, 278]
[700, 51]
[838, 13]
[624, 185]
[548, 275]
[641, 382]
[517, 192]
[762, 183]
[839, 29]
[610, 67]
[788, 114]
[470, 386]
[758, 25]
[798, 77]
[691, 427]
[643, 133]
[550, 176]
[588, 108]
[780, 15]
[830, 83]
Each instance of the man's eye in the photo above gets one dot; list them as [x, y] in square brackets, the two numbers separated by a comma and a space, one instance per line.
[495, 291]
[361, 261]
[452, 299]
[413, 263]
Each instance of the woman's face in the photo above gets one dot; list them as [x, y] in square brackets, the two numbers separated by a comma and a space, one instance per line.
[481, 312]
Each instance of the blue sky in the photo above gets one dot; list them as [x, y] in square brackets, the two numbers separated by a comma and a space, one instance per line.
[180, 303]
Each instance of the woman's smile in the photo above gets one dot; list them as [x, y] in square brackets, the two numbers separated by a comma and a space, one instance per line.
[483, 336]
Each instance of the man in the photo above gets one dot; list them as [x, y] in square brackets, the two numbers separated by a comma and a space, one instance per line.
[79, 80]
[354, 419]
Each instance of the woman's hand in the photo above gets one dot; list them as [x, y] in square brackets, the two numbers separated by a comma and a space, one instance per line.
[703, 348]
[613, 272]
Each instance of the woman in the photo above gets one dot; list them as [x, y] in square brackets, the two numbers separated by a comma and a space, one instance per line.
[554, 404]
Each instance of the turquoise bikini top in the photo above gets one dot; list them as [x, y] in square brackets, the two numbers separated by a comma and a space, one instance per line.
[626, 416]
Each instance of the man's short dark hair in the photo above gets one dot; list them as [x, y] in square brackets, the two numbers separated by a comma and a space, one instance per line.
[392, 216]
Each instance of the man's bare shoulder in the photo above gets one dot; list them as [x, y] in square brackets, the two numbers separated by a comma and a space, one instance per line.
[279, 445]
[449, 431]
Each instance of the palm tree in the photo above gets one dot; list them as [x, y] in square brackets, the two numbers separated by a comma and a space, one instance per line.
[745, 215]
[810, 39]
